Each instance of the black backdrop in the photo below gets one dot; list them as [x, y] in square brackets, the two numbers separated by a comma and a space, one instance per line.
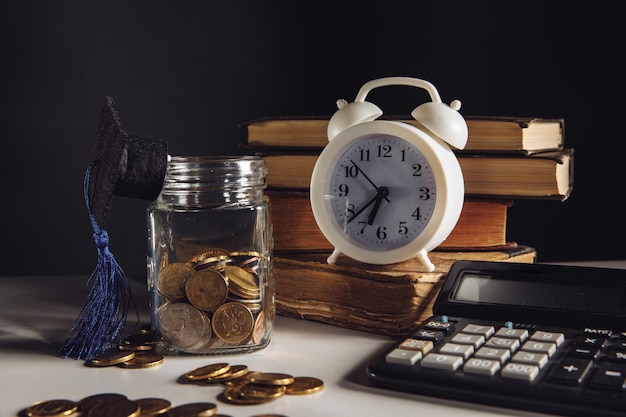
[191, 71]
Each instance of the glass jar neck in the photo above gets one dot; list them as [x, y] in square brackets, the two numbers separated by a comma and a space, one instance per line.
[201, 181]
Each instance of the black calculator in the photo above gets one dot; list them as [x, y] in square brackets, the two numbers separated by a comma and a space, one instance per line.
[541, 337]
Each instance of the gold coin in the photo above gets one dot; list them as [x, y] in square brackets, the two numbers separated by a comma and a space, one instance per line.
[134, 348]
[259, 328]
[115, 408]
[206, 289]
[88, 402]
[215, 262]
[208, 253]
[252, 394]
[208, 371]
[139, 341]
[235, 372]
[52, 408]
[242, 282]
[153, 406]
[303, 385]
[110, 357]
[199, 409]
[172, 279]
[271, 378]
[232, 322]
[183, 326]
[245, 253]
[143, 360]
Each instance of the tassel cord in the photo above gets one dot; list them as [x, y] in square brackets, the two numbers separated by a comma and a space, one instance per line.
[101, 323]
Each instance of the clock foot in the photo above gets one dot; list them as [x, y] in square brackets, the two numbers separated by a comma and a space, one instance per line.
[333, 257]
[423, 258]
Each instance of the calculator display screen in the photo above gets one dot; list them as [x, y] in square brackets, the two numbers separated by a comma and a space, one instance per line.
[548, 293]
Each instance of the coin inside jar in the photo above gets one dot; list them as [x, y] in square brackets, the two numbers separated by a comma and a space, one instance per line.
[232, 322]
[206, 289]
[183, 326]
[242, 282]
[172, 280]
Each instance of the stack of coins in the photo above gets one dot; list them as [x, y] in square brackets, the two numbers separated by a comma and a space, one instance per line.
[137, 351]
[214, 300]
[251, 387]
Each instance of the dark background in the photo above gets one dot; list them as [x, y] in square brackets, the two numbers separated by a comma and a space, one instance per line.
[191, 72]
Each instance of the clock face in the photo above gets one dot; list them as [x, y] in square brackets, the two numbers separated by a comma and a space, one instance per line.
[381, 191]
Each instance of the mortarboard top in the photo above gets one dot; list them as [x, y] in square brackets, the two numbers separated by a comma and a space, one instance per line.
[124, 164]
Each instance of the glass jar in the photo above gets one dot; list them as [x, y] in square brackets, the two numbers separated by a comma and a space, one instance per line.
[210, 257]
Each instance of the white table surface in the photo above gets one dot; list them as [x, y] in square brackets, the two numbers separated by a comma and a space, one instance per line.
[36, 313]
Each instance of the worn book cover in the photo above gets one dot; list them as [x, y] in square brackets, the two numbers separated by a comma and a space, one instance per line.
[485, 133]
[381, 299]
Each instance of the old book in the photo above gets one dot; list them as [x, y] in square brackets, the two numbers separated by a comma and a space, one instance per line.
[485, 133]
[380, 299]
[481, 226]
[547, 175]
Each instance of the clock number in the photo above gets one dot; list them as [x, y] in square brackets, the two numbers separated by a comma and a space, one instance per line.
[352, 171]
[381, 232]
[343, 190]
[416, 214]
[365, 154]
[424, 193]
[384, 151]
[402, 152]
[402, 229]
[417, 170]
[349, 213]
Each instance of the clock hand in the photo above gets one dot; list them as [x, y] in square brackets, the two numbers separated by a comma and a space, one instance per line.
[366, 177]
[383, 192]
[362, 209]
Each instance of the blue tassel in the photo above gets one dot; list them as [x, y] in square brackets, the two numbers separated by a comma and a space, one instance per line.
[100, 325]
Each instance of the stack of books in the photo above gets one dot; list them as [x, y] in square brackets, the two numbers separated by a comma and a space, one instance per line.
[506, 158]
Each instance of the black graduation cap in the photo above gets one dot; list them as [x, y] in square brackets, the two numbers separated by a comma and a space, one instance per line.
[124, 164]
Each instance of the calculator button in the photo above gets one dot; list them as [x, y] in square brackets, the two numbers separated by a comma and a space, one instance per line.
[486, 331]
[538, 359]
[521, 334]
[591, 341]
[615, 355]
[464, 351]
[501, 355]
[570, 371]
[504, 343]
[468, 339]
[423, 346]
[610, 377]
[539, 347]
[444, 326]
[520, 371]
[481, 366]
[439, 361]
[541, 336]
[403, 357]
[583, 352]
[432, 335]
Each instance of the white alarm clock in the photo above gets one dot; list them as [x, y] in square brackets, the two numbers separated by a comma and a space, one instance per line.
[385, 191]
